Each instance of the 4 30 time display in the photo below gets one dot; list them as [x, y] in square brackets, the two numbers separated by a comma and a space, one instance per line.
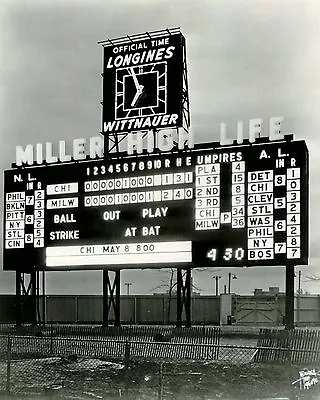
[226, 254]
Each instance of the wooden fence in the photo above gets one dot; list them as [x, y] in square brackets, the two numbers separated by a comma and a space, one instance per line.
[201, 343]
[296, 346]
[128, 332]
[140, 341]
[29, 346]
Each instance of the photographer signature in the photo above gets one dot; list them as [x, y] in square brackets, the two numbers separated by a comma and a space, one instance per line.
[308, 378]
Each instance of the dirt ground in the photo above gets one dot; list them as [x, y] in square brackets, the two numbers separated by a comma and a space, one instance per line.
[88, 378]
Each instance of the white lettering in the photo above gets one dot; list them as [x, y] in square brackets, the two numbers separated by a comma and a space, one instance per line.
[96, 146]
[255, 127]
[223, 135]
[24, 156]
[150, 230]
[135, 142]
[111, 215]
[64, 235]
[50, 158]
[62, 152]
[79, 149]
[64, 218]
[164, 140]
[158, 212]
[275, 128]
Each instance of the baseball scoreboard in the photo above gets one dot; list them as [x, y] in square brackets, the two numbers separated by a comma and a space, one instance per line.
[242, 205]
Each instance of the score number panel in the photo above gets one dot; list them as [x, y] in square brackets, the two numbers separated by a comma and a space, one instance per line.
[236, 206]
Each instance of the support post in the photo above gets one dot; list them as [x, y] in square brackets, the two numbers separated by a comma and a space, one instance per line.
[33, 294]
[183, 296]
[298, 298]
[18, 299]
[289, 313]
[26, 298]
[179, 299]
[188, 298]
[117, 305]
[44, 316]
[40, 317]
[111, 297]
[105, 311]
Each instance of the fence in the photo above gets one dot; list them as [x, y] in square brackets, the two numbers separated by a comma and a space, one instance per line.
[149, 362]
[207, 335]
[36, 365]
[104, 368]
[298, 346]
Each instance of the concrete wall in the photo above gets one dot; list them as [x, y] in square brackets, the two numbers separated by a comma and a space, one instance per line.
[7, 309]
[307, 310]
[61, 308]
[246, 310]
[206, 310]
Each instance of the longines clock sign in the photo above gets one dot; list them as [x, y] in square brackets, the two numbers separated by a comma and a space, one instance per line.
[142, 84]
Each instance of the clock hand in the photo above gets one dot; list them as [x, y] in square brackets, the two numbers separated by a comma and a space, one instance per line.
[134, 76]
[135, 99]
[137, 96]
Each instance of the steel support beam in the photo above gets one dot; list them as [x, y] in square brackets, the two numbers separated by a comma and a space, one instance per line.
[111, 297]
[289, 313]
[33, 298]
[183, 296]
[18, 299]
[27, 298]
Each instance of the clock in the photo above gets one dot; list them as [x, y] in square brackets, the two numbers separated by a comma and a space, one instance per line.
[141, 90]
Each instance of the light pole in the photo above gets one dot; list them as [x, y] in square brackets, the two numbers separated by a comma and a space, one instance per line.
[216, 277]
[230, 276]
[299, 294]
[128, 284]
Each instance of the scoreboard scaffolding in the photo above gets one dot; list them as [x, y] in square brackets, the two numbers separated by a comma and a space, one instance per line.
[242, 205]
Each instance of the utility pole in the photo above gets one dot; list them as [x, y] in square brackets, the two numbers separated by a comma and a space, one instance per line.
[299, 283]
[128, 284]
[216, 277]
[230, 276]
[298, 299]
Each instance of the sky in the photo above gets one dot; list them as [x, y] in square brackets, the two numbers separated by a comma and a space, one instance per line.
[246, 59]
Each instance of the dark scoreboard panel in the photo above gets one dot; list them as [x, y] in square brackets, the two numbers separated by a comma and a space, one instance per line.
[242, 205]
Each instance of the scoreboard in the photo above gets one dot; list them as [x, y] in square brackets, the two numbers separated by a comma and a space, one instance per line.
[242, 205]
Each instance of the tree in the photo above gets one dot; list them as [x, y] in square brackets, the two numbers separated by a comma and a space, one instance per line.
[313, 277]
[170, 283]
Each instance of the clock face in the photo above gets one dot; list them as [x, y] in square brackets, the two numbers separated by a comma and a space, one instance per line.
[141, 90]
